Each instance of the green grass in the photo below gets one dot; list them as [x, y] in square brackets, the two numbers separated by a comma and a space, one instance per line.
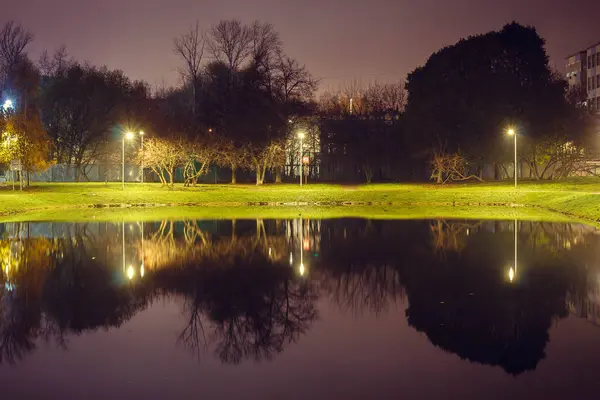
[576, 198]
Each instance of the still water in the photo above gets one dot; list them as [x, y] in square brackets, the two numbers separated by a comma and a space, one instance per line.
[299, 309]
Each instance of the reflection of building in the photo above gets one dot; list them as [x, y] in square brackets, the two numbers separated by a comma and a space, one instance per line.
[588, 305]
[583, 68]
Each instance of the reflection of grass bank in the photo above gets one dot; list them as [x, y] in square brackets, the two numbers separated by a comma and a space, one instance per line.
[289, 212]
[577, 198]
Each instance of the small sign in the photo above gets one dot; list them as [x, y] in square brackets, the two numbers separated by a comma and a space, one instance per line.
[15, 165]
[305, 160]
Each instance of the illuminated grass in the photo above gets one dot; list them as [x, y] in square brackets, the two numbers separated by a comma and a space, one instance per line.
[578, 198]
[289, 212]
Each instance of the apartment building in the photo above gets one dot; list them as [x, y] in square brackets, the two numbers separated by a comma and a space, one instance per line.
[583, 68]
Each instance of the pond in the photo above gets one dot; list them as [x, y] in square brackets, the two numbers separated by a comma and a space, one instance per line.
[341, 308]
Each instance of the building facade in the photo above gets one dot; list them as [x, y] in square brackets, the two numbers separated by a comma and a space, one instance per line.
[583, 68]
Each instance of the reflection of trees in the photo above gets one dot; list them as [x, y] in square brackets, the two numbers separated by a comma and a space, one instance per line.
[360, 262]
[25, 265]
[475, 313]
[241, 299]
[450, 235]
[252, 304]
[248, 310]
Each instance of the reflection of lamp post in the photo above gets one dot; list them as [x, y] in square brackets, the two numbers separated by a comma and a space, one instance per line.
[123, 244]
[128, 136]
[142, 137]
[512, 273]
[511, 132]
[143, 258]
[301, 137]
[301, 269]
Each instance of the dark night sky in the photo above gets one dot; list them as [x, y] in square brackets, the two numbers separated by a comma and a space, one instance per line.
[338, 40]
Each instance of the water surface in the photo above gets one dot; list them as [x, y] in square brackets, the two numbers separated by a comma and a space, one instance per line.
[344, 308]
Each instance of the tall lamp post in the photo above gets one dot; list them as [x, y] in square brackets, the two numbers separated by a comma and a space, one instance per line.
[128, 136]
[142, 137]
[511, 132]
[301, 137]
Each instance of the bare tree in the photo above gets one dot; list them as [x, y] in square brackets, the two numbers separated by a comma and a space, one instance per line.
[231, 42]
[13, 40]
[265, 42]
[190, 48]
[50, 65]
[292, 81]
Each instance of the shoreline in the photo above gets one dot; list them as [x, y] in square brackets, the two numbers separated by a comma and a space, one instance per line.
[574, 200]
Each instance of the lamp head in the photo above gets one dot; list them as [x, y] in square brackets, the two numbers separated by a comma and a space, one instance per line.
[301, 135]
[129, 135]
[8, 104]
[141, 133]
[510, 131]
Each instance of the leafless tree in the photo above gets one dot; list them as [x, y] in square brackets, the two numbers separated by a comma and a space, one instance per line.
[190, 48]
[13, 40]
[51, 65]
[231, 42]
[292, 81]
[265, 42]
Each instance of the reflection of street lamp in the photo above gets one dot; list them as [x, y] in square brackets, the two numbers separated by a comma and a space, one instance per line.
[512, 272]
[130, 272]
[143, 255]
[142, 137]
[301, 137]
[128, 136]
[301, 269]
[511, 132]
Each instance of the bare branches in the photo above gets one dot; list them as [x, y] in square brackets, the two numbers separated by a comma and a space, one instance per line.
[450, 167]
[292, 81]
[190, 48]
[265, 42]
[51, 65]
[13, 40]
[231, 43]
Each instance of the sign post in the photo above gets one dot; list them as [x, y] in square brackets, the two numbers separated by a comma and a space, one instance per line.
[15, 165]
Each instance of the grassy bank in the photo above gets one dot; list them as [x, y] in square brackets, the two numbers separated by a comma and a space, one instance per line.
[578, 198]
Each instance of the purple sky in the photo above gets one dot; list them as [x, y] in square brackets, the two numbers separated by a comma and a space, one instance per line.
[338, 40]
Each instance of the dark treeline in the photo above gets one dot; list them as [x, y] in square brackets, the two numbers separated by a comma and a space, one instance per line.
[243, 103]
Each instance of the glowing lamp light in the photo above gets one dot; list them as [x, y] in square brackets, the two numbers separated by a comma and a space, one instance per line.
[129, 135]
[130, 272]
[301, 270]
[8, 105]
[142, 271]
[141, 133]
[510, 131]
[511, 274]
[301, 135]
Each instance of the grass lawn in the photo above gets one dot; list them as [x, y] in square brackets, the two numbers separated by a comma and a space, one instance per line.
[576, 198]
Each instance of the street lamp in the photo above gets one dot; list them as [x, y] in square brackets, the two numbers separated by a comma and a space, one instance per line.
[301, 137]
[142, 137]
[511, 132]
[8, 104]
[128, 136]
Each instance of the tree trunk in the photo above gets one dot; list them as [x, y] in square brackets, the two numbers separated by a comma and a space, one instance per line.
[233, 177]
[259, 175]
[28, 179]
[278, 172]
